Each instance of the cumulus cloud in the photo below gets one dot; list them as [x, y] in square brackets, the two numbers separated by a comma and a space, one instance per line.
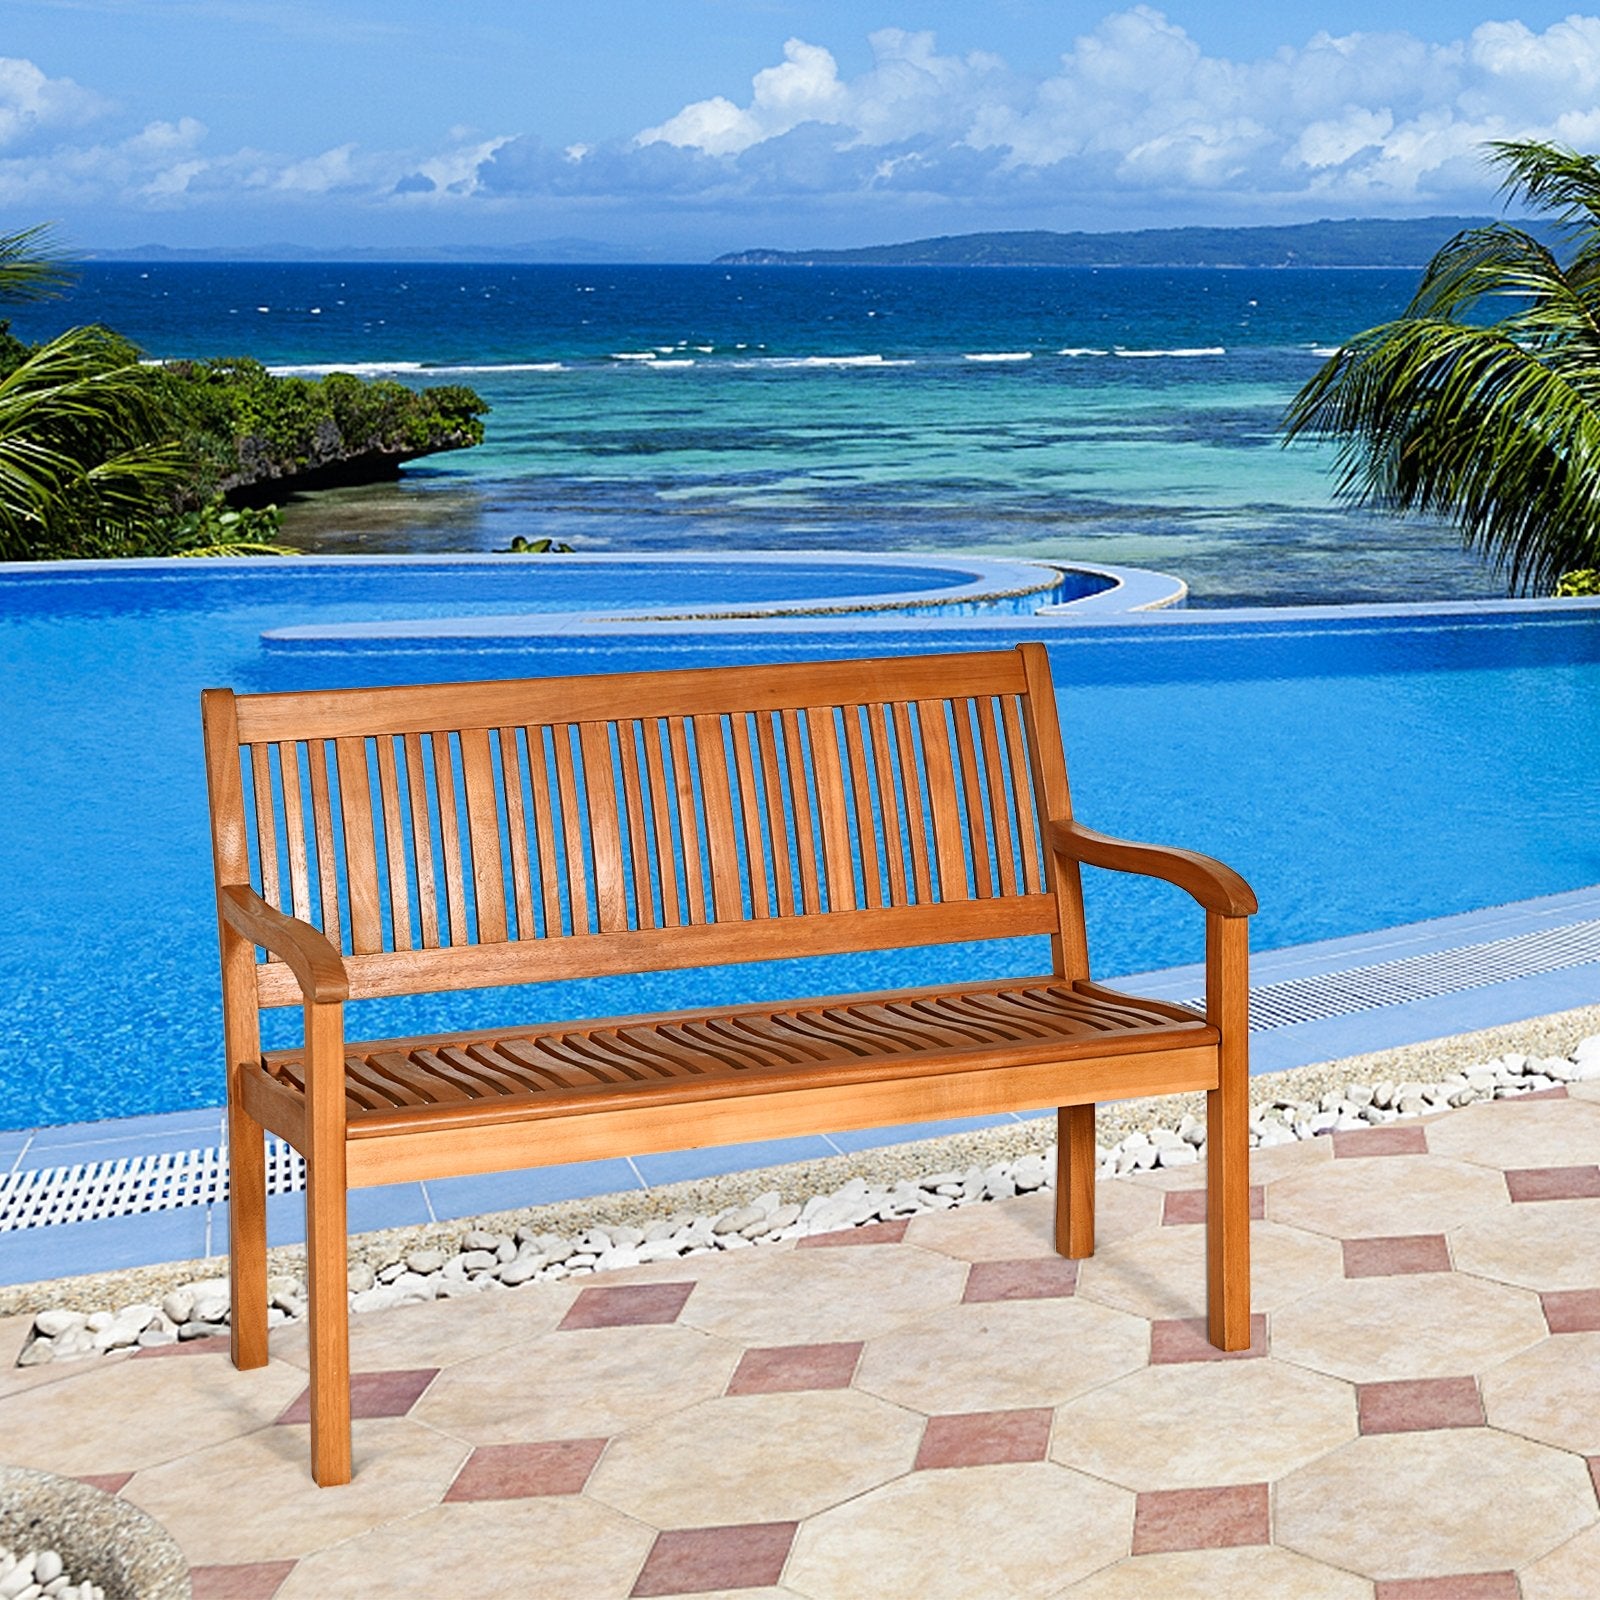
[32, 103]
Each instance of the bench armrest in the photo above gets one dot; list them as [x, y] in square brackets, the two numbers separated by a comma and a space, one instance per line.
[1216, 887]
[305, 950]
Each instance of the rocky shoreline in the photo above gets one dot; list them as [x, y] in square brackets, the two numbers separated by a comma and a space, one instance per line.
[492, 1259]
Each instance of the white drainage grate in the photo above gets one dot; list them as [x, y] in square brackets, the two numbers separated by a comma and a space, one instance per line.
[1420, 977]
[96, 1190]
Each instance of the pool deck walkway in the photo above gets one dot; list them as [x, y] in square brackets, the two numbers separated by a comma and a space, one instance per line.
[1311, 1003]
[940, 1406]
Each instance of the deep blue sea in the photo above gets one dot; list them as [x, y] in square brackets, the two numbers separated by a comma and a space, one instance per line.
[1123, 415]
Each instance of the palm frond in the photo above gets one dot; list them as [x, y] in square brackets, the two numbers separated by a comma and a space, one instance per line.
[31, 266]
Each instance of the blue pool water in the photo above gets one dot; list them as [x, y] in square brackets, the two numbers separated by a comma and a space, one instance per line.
[1359, 775]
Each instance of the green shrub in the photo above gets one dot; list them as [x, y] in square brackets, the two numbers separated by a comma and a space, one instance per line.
[1586, 580]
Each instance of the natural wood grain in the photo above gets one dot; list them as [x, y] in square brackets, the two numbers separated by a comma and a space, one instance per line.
[805, 844]
[755, 844]
[860, 793]
[1022, 790]
[394, 846]
[881, 737]
[266, 823]
[999, 808]
[972, 791]
[827, 773]
[360, 850]
[916, 819]
[322, 829]
[633, 794]
[1216, 887]
[544, 828]
[666, 854]
[605, 831]
[517, 832]
[716, 801]
[421, 841]
[294, 829]
[1228, 1134]
[455, 888]
[694, 882]
[1075, 1177]
[327, 1268]
[483, 835]
[574, 849]
[777, 814]
[943, 810]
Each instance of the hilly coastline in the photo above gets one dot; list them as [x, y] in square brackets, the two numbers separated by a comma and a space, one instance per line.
[1360, 242]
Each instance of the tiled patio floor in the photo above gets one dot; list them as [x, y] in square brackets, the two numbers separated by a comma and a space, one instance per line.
[943, 1410]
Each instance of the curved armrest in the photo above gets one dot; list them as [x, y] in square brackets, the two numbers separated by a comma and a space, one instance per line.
[1216, 887]
[305, 950]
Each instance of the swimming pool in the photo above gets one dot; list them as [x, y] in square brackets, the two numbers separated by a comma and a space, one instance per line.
[1362, 766]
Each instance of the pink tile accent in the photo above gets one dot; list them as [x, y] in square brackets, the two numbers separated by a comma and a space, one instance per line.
[790, 1368]
[520, 1471]
[254, 1580]
[1174, 1339]
[1200, 1519]
[1553, 1183]
[214, 1345]
[1461, 1586]
[1397, 1139]
[746, 1555]
[1395, 1257]
[1572, 1310]
[983, 1438]
[373, 1394]
[1555, 1092]
[1594, 1473]
[868, 1233]
[1042, 1278]
[628, 1305]
[1182, 1206]
[106, 1482]
[1412, 1405]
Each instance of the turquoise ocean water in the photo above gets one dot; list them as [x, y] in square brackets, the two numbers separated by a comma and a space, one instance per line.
[1120, 415]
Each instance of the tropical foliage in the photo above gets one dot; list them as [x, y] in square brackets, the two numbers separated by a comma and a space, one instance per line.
[1481, 403]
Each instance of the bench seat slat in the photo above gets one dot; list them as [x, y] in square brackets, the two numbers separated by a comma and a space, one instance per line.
[512, 1074]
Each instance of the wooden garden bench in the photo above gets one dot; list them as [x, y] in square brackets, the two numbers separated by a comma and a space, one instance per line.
[397, 841]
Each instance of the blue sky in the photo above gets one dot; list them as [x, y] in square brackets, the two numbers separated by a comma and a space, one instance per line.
[679, 128]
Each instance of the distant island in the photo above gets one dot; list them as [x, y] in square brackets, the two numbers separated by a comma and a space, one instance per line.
[1360, 242]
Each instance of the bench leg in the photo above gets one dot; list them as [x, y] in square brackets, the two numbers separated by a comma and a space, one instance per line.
[247, 1238]
[1075, 1170]
[327, 1248]
[1228, 1136]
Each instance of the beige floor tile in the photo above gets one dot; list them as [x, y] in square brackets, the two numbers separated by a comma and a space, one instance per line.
[124, 1415]
[1197, 1425]
[1550, 1393]
[1435, 1325]
[1589, 1089]
[1256, 1573]
[1521, 1133]
[439, 1333]
[1003, 1355]
[1012, 1230]
[568, 1548]
[756, 1458]
[1162, 1273]
[823, 1296]
[1015, 1531]
[1567, 1573]
[1415, 1505]
[13, 1335]
[253, 1499]
[18, 1380]
[1540, 1245]
[1384, 1196]
[580, 1384]
[1274, 1162]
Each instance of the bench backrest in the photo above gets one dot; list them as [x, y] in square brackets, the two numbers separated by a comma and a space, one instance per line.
[458, 835]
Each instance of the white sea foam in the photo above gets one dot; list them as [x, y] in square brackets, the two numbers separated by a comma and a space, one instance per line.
[1145, 355]
[663, 366]
[823, 361]
[633, 355]
[1323, 350]
[1082, 350]
[358, 369]
[997, 355]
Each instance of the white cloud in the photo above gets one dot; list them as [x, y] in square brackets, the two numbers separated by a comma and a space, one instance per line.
[31, 103]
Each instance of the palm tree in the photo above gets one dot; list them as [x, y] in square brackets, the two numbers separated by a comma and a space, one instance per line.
[1481, 404]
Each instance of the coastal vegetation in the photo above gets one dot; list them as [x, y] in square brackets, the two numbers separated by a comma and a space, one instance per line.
[1481, 403]
[103, 454]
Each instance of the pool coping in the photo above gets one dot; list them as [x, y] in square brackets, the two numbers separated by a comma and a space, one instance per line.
[199, 1232]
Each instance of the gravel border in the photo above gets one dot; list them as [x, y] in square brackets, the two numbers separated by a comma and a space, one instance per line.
[1312, 1094]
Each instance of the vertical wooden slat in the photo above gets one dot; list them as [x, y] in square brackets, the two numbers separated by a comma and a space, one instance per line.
[916, 821]
[829, 774]
[999, 802]
[572, 832]
[266, 825]
[605, 834]
[688, 810]
[861, 796]
[805, 848]
[644, 898]
[294, 830]
[948, 844]
[777, 820]
[716, 795]
[517, 831]
[972, 792]
[394, 845]
[1228, 1134]
[360, 847]
[544, 829]
[755, 853]
[881, 737]
[322, 828]
[1022, 790]
[422, 842]
[661, 817]
[444, 787]
[483, 835]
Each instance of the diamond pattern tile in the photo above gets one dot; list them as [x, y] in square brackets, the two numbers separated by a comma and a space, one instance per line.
[1408, 1405]
[1553, 1183]
[518, 1471]
[985, 1438]
[1042, 1278]
[796, 1367]
[696, 1560]
[1396, 1257]
[252, 1580]
[1200, 1519]
[1182, 1206]
[1174, 1339]
[628, 1305]
[372, 1394]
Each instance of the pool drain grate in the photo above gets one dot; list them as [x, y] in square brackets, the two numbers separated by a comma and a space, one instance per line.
[94, 1190]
